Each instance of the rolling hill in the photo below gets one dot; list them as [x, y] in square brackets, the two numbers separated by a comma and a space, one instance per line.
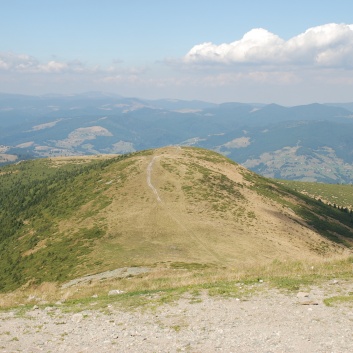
[67, 217]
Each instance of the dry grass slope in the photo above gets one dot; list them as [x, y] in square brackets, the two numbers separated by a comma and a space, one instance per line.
[185, 209]
[208, 214]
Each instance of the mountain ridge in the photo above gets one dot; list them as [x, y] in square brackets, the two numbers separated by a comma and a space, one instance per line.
[69, 217]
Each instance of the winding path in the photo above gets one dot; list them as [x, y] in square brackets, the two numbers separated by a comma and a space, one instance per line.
[172, 215]
[149, 183]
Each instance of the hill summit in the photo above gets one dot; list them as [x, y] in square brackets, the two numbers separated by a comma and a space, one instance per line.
[68, 217]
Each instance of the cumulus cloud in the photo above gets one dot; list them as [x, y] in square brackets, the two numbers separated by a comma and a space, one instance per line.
[53, 66]
[24, 63]
[17, 62]
[329, 45]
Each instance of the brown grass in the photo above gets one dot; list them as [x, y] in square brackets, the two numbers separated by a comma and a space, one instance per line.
[143, 231]
[164, 278]
[63, 160]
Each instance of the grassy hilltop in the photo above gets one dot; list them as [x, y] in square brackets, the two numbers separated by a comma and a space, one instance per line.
[171, 208]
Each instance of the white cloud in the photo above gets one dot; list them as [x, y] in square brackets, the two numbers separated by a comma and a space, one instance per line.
[329, 45]
[16, 62]
[26, 64]
[23, 63]
[53, 66]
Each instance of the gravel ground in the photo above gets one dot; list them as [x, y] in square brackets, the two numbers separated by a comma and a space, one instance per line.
[118, 273]
[269, 322]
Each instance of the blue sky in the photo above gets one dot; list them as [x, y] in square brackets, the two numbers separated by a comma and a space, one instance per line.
[255, 51]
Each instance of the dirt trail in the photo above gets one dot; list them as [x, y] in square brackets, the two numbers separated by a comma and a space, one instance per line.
[172, 215]
[149, 182]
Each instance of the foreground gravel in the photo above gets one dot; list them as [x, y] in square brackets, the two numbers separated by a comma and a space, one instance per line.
[269, 322]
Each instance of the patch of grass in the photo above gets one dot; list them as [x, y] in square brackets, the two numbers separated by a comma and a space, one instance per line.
[188, 265]
[168, 186]
[176, 328]
[164, 286]
[130, 300]
[342, 299]
[224, 289]
[293, 283]
[22, 311]
[170, 167]
[212, 189]
[338, 194]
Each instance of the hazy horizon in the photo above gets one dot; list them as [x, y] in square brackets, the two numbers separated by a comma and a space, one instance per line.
[171, 99]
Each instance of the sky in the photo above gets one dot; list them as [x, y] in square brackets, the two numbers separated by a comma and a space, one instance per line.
[284, 52]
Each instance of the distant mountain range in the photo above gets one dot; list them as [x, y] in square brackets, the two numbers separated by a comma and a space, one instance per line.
[309, 142]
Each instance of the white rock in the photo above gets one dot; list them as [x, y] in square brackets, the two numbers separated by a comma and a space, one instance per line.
[77, 317]
[115, 292]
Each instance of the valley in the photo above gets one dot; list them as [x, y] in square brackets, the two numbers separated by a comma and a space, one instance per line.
[308, 143]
